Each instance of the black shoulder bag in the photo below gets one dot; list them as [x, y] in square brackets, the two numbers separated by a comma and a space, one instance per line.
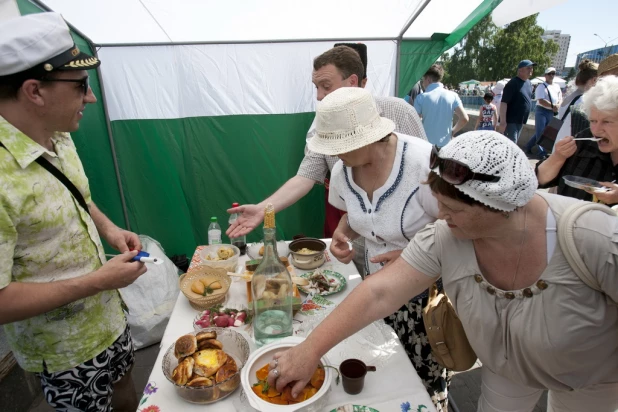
[44, 163]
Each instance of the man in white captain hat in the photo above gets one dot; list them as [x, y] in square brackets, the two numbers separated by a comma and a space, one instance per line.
[61, 310]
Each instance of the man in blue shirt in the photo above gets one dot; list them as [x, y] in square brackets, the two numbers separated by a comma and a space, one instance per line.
[516, 101]
[436, 107]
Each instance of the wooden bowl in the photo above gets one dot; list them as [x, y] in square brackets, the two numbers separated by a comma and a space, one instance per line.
[209, 274]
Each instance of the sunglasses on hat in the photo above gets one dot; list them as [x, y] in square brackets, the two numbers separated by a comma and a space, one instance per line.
[454, 172]
[85, 82]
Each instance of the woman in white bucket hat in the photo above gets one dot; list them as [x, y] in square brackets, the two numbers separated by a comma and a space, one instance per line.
[378, 181]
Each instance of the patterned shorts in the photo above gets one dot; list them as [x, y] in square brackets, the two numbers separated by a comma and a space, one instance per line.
[89, 386]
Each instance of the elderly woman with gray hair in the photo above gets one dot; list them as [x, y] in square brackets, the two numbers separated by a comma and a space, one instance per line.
[597, 160]
[530, 318]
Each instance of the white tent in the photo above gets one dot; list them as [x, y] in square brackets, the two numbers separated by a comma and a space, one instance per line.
[204, 103]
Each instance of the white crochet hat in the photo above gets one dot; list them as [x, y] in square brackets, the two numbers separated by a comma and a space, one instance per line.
[348, 119]
[493, 154]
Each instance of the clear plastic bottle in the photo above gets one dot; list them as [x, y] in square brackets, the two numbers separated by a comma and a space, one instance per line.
[271, 289]
[214, 232]
[241, 241]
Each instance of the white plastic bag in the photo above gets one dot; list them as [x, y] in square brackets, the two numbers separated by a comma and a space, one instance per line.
[151, 298]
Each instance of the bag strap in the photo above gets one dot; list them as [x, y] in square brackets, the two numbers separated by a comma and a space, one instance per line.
[44, 163]
[568, 110]
[548, 93]
[566, 238]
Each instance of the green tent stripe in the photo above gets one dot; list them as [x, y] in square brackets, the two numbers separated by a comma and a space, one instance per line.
[92, 142]
[178, 173]
[416, 56]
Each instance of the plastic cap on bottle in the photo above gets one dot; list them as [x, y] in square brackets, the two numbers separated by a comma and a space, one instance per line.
[213, 219]
[235, 204]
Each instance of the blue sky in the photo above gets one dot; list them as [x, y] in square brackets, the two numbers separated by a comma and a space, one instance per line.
[581, 19]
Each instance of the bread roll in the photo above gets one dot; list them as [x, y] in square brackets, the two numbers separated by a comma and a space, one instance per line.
[185, 346]
[197, 287]
[208, 362]
[182, 373]
[209, 344]
[199, 381]
[205, 336]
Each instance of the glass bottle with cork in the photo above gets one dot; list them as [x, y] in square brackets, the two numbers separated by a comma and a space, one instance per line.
[271, 289]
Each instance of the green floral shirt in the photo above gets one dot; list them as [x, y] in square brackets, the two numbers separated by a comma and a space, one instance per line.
[46, 236]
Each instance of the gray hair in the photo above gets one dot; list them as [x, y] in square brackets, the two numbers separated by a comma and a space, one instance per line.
[602, 96]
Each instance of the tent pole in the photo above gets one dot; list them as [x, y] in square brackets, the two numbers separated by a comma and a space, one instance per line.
[197, 43]
[112, 147]
[399, 39]
[40, 4]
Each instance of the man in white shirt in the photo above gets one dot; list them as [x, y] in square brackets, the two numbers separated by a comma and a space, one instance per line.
[548, 100]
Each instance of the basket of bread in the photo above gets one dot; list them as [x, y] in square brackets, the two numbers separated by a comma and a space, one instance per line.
[205, 366]
[205, 286]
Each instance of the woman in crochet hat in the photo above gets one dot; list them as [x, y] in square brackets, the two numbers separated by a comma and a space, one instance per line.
[378, 183]
[534, 324]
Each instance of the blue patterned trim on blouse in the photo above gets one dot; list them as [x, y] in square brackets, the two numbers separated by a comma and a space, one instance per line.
[404, 211]
[425, 294]
[358, 196]
[397, 181]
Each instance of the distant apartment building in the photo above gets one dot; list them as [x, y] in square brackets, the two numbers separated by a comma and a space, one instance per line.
[563, 40]
[596, 55]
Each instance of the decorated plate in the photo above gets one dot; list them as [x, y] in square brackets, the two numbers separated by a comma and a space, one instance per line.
[354, 408]
[253, 250]
[583, 183]
[317, 286]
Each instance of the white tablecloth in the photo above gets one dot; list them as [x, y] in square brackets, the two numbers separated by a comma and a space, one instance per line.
[395, 386]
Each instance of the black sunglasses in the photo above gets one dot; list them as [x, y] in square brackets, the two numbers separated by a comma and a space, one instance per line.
[454, 172]
[85, 82]
[551, 74]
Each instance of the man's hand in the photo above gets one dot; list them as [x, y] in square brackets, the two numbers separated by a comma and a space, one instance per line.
[119, 272]
[565, 148]
[249, 217]
[501, 127]
[340, 248]
[388, 257]
[610, 197]
[123, 240]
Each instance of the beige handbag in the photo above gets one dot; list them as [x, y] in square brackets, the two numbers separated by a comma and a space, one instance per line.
[449, 344]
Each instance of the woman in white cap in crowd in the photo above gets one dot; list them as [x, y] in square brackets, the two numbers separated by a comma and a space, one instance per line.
[532, 321]
[597, 160]
[378, 183]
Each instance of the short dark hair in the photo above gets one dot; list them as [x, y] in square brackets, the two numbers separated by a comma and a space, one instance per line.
[344, 58]
[488, 96]
[441, 186]
[435, 72]
[361, 49]
[9, 87]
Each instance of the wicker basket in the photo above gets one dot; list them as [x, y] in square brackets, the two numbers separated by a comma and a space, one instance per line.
[200, 302]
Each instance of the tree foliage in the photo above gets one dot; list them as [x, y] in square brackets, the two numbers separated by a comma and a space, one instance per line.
[491, 53]
[571, 75]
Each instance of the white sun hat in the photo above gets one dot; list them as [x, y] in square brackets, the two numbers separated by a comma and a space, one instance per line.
[346, 120]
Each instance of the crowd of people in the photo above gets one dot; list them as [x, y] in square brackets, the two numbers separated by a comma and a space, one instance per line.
[422, 205]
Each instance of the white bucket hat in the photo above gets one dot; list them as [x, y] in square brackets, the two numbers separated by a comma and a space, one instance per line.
[346, 120]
